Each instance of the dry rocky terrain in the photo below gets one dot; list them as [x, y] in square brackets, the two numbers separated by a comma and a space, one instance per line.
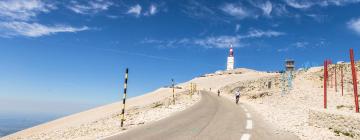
[297, 109]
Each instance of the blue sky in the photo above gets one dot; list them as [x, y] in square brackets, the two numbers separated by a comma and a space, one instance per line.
[65, 56]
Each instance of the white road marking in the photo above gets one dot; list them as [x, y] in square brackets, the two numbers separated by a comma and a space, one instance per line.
[248, 115]
[249, 124]
[245, 136]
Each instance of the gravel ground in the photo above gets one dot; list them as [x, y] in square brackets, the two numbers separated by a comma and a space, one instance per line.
[291, 111]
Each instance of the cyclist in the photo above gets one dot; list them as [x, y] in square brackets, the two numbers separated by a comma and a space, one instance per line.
[237, 96]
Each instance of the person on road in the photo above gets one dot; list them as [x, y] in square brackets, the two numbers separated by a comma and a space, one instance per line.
[218, 92]
[237, 96]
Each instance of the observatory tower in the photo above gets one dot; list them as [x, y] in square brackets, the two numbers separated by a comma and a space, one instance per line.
[230, 59]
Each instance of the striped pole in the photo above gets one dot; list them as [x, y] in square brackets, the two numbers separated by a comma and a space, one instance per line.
[173, 90]
[124, 97]
[353, 69]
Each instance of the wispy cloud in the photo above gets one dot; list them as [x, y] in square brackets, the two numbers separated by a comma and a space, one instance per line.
[354, 25]
[222, 41]
[255, 33]
[19, 16]
[265, 6]
[135, 10]
[218, 42]
[196, 9]
[90, 7]
[299, 4]
[280, 10]
[138, 10]
[23, 9]
[235, 10]
[10, 29]
[305, 4]
[302, 44]
[152, 10]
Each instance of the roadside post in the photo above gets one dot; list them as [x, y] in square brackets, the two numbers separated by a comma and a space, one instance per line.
[353, 70]
[124, 98]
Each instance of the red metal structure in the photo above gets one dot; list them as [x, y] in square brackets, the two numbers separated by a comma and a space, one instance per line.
[353, 70]
[325, 82]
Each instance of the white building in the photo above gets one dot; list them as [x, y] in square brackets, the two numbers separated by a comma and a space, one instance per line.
[230, 60]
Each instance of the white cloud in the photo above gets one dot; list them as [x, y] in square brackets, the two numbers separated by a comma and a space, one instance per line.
[153, 9]
[10, 29]
[91, 7]
[197, 10]
[255, 33]
[305, 4]
[265, 6]
[299, 4]
[218, 42]
[135, 10]
[235, 10]
[222, 41]
[17, 18]
[301, 44]
[280, 10]
[23, 9]
[354, 24]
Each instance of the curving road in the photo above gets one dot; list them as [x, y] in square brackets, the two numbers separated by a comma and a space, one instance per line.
[212, 118]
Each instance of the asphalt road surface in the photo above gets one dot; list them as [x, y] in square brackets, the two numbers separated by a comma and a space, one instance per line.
[213, 118]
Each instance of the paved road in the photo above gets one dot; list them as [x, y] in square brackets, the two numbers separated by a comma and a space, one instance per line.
[212, 118]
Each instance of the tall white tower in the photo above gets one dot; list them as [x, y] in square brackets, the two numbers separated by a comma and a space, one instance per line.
[230, 59]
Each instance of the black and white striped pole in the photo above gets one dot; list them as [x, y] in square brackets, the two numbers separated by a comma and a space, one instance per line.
[173, 90]
[124, 98]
